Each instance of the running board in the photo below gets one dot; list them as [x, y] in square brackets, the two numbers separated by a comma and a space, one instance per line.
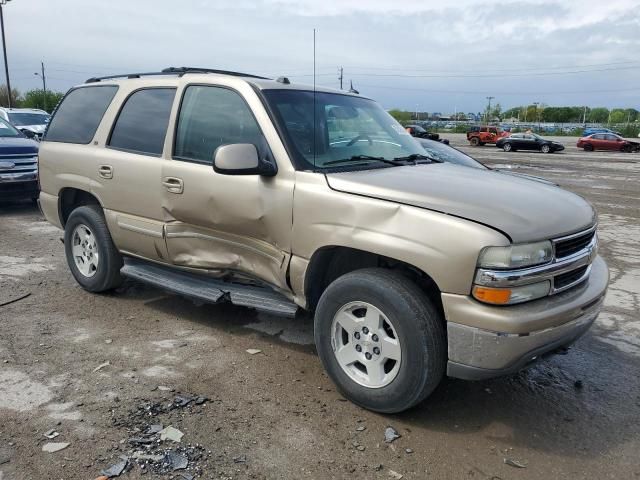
[210, 290]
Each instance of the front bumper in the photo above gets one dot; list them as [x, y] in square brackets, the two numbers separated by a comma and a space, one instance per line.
[18, 185]
[486, 341]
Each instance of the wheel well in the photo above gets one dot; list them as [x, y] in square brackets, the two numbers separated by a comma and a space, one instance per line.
[71, 198]
[329, 263]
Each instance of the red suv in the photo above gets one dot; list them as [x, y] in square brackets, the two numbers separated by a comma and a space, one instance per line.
[607, 141]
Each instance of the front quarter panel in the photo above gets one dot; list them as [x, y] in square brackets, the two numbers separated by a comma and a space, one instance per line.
[443, 246]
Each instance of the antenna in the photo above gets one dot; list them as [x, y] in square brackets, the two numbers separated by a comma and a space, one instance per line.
[315, 134]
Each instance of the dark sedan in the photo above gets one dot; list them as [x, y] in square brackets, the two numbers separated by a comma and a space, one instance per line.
[528, 141]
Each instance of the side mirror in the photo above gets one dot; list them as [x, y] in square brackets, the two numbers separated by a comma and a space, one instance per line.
[241, 159]
[28, 133]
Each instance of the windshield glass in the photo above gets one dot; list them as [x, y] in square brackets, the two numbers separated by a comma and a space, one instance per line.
[22, 118]
[345, 127]
[445, 153]
[7, 130]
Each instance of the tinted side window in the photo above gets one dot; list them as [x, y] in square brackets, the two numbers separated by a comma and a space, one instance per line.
[77, 118]
[210, 117]
[142, 123]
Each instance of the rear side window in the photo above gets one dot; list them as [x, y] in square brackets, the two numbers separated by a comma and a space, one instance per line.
[210, 117]
[77, 118]
[142, 123]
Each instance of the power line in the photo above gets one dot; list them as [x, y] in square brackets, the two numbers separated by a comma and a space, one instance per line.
[502, 93]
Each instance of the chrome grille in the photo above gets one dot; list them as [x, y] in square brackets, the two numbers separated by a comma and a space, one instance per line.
[567, 246]
[569, 279]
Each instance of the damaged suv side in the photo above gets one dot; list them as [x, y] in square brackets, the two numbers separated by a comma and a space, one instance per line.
[229, 187]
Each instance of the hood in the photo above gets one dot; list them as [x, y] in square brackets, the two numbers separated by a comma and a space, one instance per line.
[17, 146]
[524, 210]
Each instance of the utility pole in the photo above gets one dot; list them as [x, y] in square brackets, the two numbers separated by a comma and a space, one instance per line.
[584, 116]
[44, 86]
[488, 110]
[4, 49]
[537, 114]
[341, 77]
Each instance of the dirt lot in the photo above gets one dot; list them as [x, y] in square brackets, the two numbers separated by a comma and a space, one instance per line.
[275, 414]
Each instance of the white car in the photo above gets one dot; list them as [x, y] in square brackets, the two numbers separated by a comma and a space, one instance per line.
[30, 121]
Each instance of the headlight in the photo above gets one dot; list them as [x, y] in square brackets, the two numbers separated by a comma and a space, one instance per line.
[516, 256]
[509, 296]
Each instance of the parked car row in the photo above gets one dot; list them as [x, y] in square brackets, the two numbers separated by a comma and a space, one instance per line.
[30, 121]
[18, 164]
[592, 139]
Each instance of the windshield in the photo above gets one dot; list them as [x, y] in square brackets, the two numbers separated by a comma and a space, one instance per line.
[7, 130]
[346, 127]
[445, 153]
[22, 118]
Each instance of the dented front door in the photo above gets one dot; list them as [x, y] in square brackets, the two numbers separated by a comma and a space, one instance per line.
[224, 222]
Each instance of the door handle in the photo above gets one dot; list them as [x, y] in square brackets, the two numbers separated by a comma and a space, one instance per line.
[173, 184]
[105, 171]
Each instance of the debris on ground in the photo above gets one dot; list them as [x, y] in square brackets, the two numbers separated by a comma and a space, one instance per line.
[101, 366]
[156, 449]
[52, 447]
[361, 428]
[116, 469]
[514, 463]
[177, 461]
[408, 450]
[51, 434]
[108, 341]
[253, 351]
[578, 384]
[171, 433]
[395, 475]
[14, 300]
[390, 434]
[240, 459]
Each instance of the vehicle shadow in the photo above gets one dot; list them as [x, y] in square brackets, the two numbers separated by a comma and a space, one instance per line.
[565, 405]
[18, 207]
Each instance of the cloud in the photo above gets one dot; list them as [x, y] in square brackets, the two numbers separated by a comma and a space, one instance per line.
[79, 39]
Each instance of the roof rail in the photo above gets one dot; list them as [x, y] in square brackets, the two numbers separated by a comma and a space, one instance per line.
[173, 71]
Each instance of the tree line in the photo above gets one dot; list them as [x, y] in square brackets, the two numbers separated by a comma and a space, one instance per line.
[537, 113]
[35, 98]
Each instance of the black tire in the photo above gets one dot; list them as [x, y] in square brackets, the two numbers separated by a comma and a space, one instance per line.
[507, 147]
[419, 327]
[107, 275]
[588, 147]
[545, 149]
[475, 141]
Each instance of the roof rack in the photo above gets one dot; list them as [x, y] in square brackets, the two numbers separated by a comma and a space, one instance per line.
[174, 71]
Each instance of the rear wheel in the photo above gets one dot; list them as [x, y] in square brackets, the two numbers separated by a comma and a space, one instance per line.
[588, 147]
[380, 339]
[91, 255]
[507, 147]
[475, 141]
[545, 149]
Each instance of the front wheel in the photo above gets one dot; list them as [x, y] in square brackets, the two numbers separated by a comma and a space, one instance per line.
[588, 147]
[475, 141]
[545, 149]
[380, 339]
[91, 255]
[507, 147]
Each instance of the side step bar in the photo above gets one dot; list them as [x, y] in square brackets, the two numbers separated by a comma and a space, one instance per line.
[210, 290]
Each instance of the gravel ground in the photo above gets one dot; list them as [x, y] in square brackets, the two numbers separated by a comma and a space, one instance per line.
[275, 414]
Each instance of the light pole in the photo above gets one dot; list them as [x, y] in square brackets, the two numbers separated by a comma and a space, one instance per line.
[489, 109]
[4, 49]
[537, 114]
[44, 85]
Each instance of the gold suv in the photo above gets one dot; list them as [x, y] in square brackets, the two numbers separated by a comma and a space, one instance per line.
[224, 186]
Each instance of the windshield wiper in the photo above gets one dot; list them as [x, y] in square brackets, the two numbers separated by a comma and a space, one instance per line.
[414, 157]
[362, 157]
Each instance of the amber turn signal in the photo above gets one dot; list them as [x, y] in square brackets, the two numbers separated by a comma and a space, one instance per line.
[497, 296]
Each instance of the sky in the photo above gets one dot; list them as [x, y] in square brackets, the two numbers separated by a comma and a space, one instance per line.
[433, 56]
